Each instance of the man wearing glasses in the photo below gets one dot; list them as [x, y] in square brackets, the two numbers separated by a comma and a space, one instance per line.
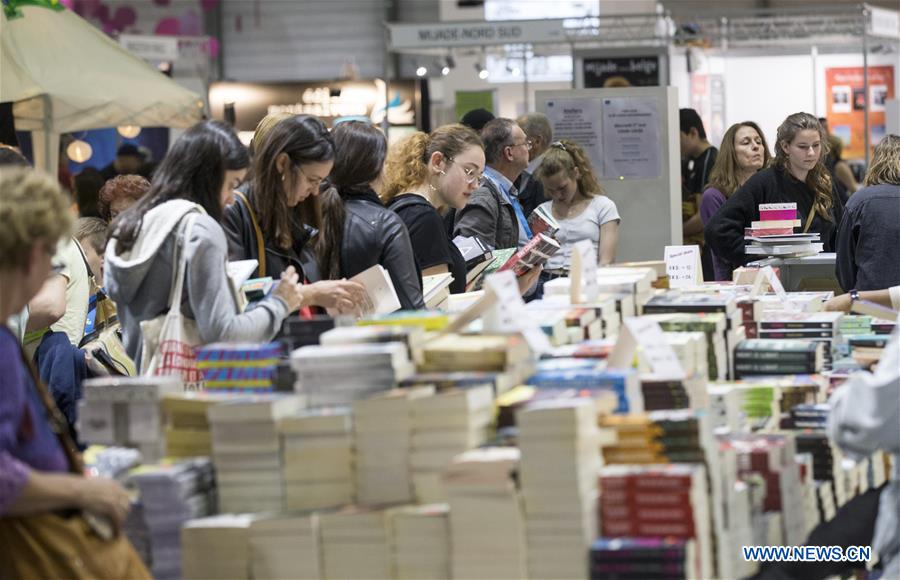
[494, 213]
[540, 135]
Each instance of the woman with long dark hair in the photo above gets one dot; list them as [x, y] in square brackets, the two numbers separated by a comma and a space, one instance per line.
[278, 219]
[743, 152]
[359, 231]
[196, 178]
[797, 175]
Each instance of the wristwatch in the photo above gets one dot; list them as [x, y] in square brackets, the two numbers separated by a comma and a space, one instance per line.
[854, 296]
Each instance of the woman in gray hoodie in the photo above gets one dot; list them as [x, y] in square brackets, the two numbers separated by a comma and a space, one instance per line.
[197, 176]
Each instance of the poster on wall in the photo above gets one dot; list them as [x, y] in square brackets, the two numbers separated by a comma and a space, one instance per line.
[578, 120]
[606, 72]
[631, 138]
[708, 99]
[846, 104]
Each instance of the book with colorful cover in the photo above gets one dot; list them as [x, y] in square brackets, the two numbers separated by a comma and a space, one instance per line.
[543, 222]
[536, 252]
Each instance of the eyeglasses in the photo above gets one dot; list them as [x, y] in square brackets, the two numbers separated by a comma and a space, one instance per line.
[313, 181]
[526, 144]
[471, 176]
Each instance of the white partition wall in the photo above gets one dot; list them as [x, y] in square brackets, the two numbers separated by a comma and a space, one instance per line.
[631, 135]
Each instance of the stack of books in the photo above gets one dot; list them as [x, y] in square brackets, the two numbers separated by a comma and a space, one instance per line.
[773, 234]
[125, 411]
[819, 447]
[630, 287]
[593, 378]
[606, 318]
[429, 320]
[775, 396]
[810, 416]
[170, 495]
[487, 526]
[558, 440]
[382, 431]
[821, 327]
[554, 323]
[297, 332]
[317, 458]
[436, 290]
[216, 548]
[443, 426]
[247, 452]
[714, 326]
[355, 543]
[285, 546]
[187, 425]
[499, 381]
[630, 439]
[778, 357]
[420, 542]
[643, 558]
[412, 336]
[867, 350]
[658, 501]
[339, 375]
[454, 352]
[682, 436]
[242, 367]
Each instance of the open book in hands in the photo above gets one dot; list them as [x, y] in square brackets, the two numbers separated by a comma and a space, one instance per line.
[381, 297]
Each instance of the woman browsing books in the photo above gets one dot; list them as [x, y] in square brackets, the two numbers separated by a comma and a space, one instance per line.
[427, 175]
[797, 175]
[577, 207]
[744, 152]
[276, 221]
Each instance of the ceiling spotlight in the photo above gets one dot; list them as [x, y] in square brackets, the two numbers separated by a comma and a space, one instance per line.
[446, 70]
[421, 71]
[482, 72]
[515, 71]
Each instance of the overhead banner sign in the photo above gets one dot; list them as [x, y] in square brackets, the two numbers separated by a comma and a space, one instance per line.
[450, 34]
[883, 22]
[638, 71]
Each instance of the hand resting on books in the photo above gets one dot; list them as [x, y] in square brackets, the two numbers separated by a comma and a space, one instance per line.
[341, 296]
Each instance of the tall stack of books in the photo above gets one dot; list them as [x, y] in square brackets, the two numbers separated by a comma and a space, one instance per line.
[340, 375]
[187, 425]
[317, 458]
[558, 440]
[643, 558]
[242, 367]
[382, 431]
[658, 501]
[285, 546]
[443, 426]
[714, 326]
[420, 542]
[778, 357]
[594, 378]
[216, 548]
[247, 453]
[355, 543]
[454, 353]
[170, 495]
[125, 411]
[487, 526]
[773, 234]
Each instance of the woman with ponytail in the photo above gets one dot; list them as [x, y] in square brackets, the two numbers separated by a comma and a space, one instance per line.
[578, 205]
[358, 231]
[426, 176]
[797, 175]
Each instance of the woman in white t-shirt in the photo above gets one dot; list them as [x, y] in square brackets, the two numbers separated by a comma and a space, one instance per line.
[578, 205]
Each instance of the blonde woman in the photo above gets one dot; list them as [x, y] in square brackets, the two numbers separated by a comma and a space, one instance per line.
[578, 205]
[798, 175]
[868, 253]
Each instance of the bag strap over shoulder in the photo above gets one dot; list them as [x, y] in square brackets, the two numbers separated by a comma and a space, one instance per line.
[260, 243]
[809, 218]
[179, 265]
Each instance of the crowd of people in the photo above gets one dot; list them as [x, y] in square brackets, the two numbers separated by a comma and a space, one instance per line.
[315, 207]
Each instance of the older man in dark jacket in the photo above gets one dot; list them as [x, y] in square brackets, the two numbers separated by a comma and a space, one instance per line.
[493, 213]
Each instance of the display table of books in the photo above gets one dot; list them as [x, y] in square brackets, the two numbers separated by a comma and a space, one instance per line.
[411, 445]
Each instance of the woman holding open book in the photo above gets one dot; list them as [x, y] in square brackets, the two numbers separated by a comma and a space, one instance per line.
[276, 221]
[743, 152]
[577, 207]
[797, 175]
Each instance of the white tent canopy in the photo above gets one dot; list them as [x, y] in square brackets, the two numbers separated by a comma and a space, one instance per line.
[64, 75]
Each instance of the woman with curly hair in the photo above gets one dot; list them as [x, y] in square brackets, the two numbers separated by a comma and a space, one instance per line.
[797, 175]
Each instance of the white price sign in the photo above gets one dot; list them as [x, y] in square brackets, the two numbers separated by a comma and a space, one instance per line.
[683, 266]
[583, 286]
[767, 274]
[646, 334]
[508, 314]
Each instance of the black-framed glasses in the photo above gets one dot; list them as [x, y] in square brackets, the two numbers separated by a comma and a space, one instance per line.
[471, 175]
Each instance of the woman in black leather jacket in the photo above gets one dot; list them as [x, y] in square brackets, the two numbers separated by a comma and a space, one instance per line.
[359, 231]
[290, 161]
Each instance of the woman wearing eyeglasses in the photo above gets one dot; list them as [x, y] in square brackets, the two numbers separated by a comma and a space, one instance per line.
[578, 205]
[276, 221]
[426, 176]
